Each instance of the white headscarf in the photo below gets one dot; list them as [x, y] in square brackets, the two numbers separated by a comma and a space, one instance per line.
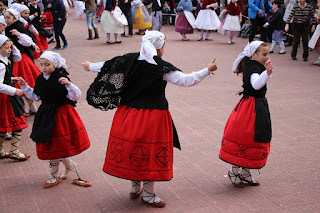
[55, 58]
[15, 13]
[151, 41]
[2, 20]
[248, 51]
[21, 7]
[3, 39]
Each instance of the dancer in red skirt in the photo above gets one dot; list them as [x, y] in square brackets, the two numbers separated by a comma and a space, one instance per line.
[57, 129]
[247, 134]
[11, 113]
[35, 20]
[142, 135]
[25, 68]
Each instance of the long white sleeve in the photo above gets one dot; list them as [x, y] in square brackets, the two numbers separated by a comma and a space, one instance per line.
[258, 81]
[74, 93]
[25, 40]
[96, 67]
[28, 91]
[16, 54]
[186, 80]
[4, 88]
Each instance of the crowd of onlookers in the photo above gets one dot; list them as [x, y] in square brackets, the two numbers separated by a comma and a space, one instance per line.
[283, 22]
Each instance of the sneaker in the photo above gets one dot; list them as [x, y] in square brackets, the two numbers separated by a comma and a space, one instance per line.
[65, 47]
[294, 58]
[271, 51]
[117, 42]
[56, 48]
[284, 52]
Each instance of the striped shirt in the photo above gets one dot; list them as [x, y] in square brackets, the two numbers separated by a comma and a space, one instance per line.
[302, 15]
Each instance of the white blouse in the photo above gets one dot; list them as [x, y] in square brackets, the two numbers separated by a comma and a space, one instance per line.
[258, 81]
[174, 77]
[4, 88]
[74, 93]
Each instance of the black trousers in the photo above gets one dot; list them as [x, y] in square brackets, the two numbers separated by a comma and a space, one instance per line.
[255, 23]
[128, 15]
[57, 28]
[300, 30]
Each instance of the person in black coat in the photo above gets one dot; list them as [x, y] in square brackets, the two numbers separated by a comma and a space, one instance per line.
[59, 20]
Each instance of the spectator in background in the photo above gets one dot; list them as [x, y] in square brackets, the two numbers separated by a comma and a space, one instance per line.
[90, 14]
[256, 12]
[59, 20]
[302, 13]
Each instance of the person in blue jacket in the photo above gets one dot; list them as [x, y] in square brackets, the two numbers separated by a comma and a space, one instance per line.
[256, 12]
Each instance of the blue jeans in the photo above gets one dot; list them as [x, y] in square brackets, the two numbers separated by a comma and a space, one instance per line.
[90, 20]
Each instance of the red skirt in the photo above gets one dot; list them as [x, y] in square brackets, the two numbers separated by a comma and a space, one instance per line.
[238, 146]
[26, 69]
[69, 136]
[41, 41]
[140, 145]
[182, 25]
[48, 20]
[8, 121]
[36, 54]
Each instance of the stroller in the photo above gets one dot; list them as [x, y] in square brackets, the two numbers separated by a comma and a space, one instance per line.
[245, 29]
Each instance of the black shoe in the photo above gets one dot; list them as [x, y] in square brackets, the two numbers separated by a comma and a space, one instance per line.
[270, 51]
[287, 45]
[294, 58]
[305, 59]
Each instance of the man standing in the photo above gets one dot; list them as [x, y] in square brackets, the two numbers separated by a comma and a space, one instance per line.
[256, 12]
[90, 15]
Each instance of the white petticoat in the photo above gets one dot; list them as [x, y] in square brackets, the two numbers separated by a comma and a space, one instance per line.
[232, 23]
[207, 20]
[109, 23]
[314, 39]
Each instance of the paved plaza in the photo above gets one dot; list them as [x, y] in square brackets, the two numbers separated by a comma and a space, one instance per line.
[290, 182]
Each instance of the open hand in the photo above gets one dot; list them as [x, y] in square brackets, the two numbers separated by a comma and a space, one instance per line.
[64, 81]
[19, 80]
[18, 92]
[15, 32]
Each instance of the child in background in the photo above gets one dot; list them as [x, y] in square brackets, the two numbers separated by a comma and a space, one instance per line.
[207, 18]
[277, 23]
[231, 24]
[166, 18]
[57, 129]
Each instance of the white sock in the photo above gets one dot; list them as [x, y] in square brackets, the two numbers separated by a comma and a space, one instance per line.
[116, 37]
[201, 34]
[136, 186]
[54, 165]
[70, 166]
[32, 106]
[207, 36]
[148, 192]
[183, 36]
[108, 37]
[245, 173]
[234, 171]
